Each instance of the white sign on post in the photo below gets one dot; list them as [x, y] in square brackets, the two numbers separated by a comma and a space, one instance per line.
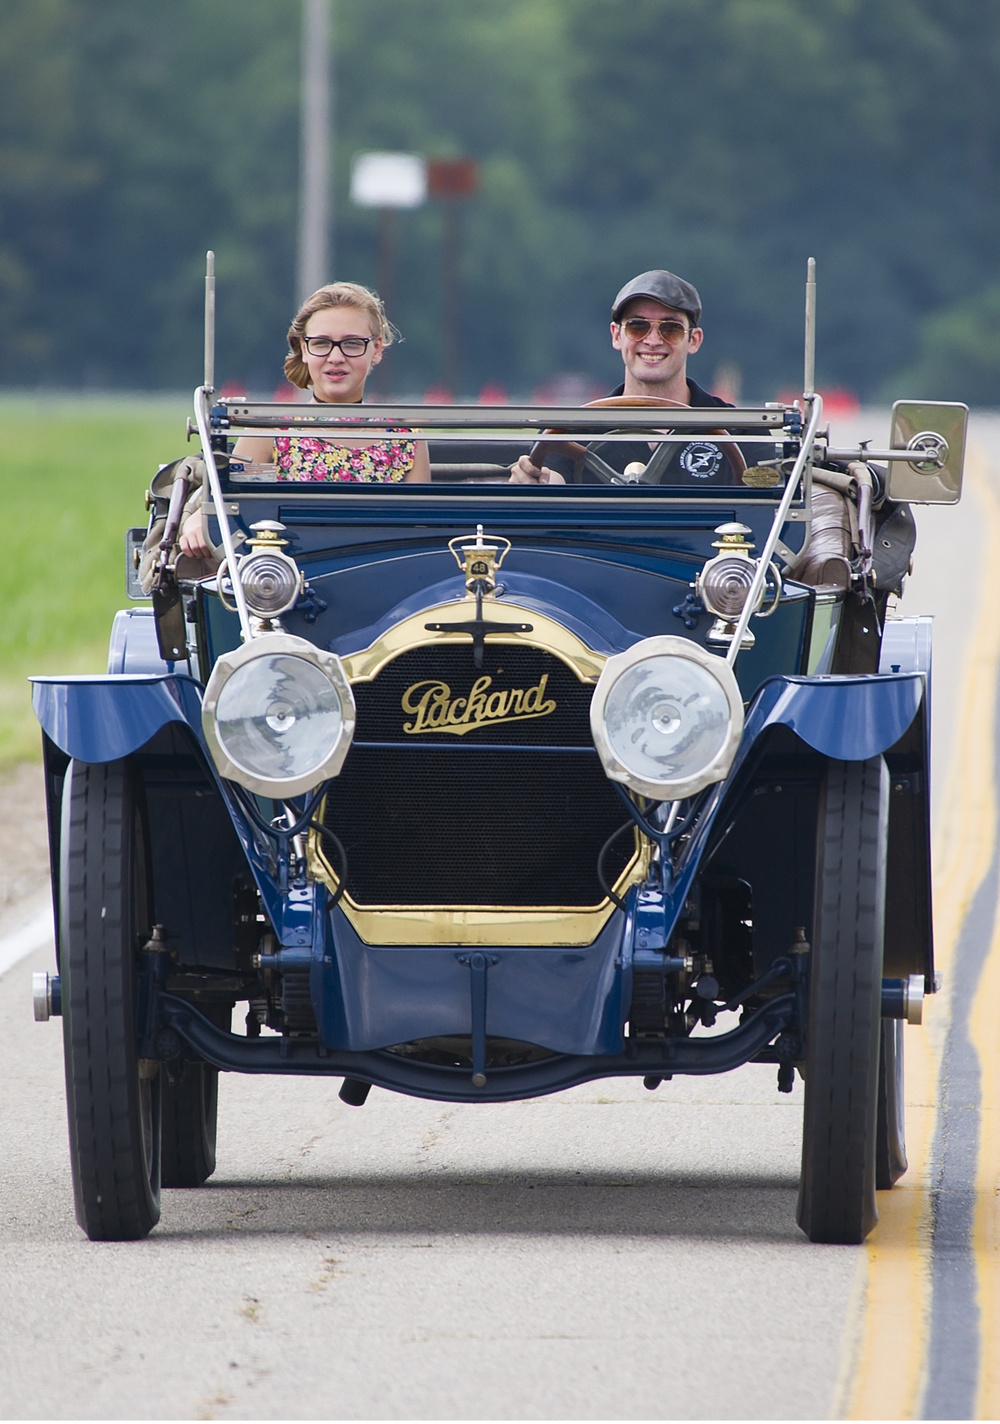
[388, 180]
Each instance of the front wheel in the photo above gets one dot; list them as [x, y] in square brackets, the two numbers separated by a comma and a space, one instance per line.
[113, 1096]
[837, 1185]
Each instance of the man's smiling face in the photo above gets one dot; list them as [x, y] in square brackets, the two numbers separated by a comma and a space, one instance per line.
[651, 359]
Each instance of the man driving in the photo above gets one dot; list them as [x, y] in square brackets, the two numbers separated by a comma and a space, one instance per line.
[654, 324]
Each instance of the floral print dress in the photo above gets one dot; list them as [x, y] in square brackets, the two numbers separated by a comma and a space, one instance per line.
[306, 457]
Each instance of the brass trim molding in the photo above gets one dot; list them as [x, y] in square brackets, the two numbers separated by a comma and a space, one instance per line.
[526, 925]
[411, 632]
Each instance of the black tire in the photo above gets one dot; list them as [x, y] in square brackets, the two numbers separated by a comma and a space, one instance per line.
[114, 1108]
[837, 1186]
[890, 1142]
[190, 1118]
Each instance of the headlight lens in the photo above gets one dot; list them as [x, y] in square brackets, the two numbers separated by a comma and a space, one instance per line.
[667, 718]
[278, 715]
[724, 586]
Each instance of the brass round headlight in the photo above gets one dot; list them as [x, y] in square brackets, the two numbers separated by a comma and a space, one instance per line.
[278, 715]
[666, 718]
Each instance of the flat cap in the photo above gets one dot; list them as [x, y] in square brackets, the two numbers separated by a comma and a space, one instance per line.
[662, 287]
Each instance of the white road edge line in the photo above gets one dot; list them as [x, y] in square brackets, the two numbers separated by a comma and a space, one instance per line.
[32, 936]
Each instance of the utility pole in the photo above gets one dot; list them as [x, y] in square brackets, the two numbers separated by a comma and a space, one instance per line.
[315, 204]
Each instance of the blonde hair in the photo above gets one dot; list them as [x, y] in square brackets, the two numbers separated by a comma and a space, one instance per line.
[336, 294]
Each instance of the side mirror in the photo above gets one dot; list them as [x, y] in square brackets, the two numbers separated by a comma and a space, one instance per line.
[935, 432]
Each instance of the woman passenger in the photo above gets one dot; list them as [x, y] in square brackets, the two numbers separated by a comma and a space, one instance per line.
[338, 335]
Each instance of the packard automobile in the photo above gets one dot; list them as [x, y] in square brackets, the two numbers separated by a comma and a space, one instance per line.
[474, 791]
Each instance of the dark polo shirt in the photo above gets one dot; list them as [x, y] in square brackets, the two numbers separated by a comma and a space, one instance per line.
[699, 461]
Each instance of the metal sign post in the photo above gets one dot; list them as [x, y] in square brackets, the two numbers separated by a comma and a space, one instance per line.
[452, 179]
[388, 182]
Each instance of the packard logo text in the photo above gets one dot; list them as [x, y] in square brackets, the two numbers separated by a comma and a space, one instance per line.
[435, 710]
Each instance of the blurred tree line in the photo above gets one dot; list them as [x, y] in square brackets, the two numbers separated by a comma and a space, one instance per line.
[726, 139]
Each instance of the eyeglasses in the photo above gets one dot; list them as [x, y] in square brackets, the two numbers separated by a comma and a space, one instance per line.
[350, 346]
[637, 327]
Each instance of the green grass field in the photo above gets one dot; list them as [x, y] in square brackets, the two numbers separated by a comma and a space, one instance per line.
[74, 475]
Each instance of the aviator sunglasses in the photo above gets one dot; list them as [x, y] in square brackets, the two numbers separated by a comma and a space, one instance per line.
[323, 345]
[637, 327]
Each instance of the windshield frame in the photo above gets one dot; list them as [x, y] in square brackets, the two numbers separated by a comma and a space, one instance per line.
[507, 432]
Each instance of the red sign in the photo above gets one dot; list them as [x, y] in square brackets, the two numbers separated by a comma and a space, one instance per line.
[451, 177]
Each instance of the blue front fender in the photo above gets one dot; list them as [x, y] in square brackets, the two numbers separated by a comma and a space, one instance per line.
[840, 717]
[102, 718]
[844, 718]
[106, 718]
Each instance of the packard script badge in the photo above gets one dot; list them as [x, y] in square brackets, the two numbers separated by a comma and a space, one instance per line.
[433, 708]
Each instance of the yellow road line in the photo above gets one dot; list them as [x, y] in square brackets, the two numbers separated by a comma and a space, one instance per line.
[985, 1034]
[891, 1369]
[890, 1372]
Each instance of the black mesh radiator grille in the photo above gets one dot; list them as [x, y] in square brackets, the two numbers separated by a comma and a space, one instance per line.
[509, 808]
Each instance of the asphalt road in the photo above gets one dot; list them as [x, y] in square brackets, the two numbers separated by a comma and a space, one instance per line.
[604, 1253]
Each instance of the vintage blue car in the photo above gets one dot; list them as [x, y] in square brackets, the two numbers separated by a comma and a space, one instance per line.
[474, 791]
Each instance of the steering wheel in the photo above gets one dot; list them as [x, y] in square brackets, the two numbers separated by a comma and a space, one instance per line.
[655, 465]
